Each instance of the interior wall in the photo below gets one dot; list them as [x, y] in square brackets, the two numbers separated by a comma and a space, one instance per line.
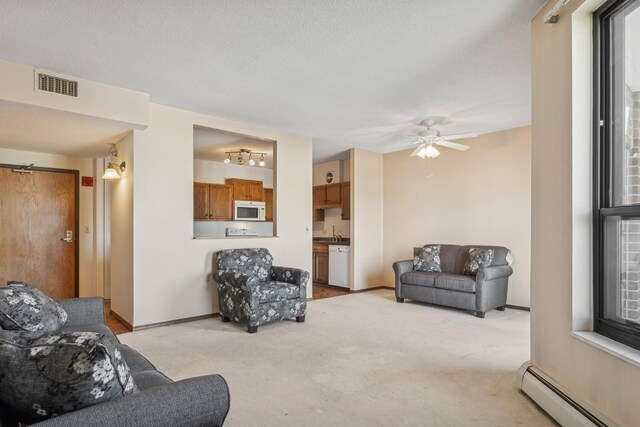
[122, 229]
[607, 383]
[366, 219]
[172, 274]
[87, 264]
[478, 197]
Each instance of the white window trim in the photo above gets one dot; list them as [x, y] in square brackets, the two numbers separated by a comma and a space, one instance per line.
[614, 348]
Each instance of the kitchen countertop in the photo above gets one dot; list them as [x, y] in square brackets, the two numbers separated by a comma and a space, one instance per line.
[327, 241]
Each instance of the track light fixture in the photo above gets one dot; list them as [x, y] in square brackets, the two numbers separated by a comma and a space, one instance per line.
[240, 161]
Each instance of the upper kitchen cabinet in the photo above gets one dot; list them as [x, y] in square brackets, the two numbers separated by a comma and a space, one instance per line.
[327, 196]
[346, 201]
[200, 200]
[245, 189]
[212, 202]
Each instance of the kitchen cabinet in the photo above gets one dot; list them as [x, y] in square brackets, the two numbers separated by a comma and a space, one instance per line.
[268, 202]
[245, 189]
[346, 200]
[212, 202]
[320, 263]
[327, 196]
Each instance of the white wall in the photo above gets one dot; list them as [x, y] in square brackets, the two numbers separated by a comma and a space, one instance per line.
[607, 383]
[478, 197]
[172, 276]
[86, 264]
[122, 229]
[366, 219]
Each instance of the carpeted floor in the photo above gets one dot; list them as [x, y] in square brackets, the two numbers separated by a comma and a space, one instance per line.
[359, 360]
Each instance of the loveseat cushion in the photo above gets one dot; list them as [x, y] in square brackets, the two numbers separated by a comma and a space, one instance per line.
[419, 278]
[249, 261]
[57, 373]
[25, 308]
[427, 258]
[455, 282]
[271, 291]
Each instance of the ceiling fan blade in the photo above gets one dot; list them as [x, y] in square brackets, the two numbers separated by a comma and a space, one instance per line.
[417, 151]
[459, 136]
[450, 144]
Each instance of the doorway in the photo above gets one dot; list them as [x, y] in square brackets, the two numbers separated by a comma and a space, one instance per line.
[39, 214]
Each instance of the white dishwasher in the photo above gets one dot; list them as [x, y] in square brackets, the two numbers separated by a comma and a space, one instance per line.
[339, 265]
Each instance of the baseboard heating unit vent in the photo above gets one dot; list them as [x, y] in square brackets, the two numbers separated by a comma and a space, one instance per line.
[557, 402]
[55, 84]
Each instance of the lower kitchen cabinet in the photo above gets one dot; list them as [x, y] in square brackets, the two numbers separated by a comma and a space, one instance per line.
[321, 264]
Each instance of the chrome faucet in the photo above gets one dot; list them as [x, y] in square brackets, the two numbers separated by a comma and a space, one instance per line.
[336, 237]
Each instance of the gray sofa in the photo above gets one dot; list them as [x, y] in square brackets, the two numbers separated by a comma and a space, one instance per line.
[200, 401]
[480, 293]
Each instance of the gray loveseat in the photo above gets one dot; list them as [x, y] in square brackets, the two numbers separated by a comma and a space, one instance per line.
[200, 401]
[480, 293]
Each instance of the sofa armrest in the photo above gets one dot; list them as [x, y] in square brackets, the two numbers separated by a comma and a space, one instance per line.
[401, 267]
[491, 273]
[84, 311]
[200, 401]
[295, 276]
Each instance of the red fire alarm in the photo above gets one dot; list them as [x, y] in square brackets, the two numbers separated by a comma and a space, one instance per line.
[87, 181]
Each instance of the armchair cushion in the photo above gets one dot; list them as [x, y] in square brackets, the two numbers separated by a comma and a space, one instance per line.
[25, 308]
[58, 373]
[276, 291]
[250, 261]
[427, 258]
[478, 258]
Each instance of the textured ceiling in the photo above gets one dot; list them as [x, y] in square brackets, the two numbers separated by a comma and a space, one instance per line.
[346, 73]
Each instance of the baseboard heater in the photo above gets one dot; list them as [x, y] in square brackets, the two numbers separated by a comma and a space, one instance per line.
[557, 402]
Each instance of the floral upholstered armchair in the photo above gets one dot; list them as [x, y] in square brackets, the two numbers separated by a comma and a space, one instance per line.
[253, 291]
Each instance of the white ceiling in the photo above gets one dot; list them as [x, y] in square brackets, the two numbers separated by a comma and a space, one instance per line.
[29, 128]
[347, 73]
[212, 144]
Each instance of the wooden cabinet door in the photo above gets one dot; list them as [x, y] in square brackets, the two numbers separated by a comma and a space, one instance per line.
[319, 196]
[220, 202]
[346, 200]
[334, 195]
[322, 268]
[255, 191]
[268, 202]
[200, 200]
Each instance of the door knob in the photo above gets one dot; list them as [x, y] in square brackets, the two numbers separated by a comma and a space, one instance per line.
[68, 237]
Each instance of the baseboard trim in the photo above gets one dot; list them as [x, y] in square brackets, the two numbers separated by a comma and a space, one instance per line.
[518, 307]
[121, 320]
[372, 289]
[177, 321]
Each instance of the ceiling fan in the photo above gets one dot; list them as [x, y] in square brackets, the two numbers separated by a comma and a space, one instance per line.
[430, 137]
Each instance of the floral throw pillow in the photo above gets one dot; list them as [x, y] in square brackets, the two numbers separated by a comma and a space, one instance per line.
[427, 258]
[53, 374]
[478, 258]
[25, 308]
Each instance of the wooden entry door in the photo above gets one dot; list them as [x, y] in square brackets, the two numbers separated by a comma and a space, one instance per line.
[37, 212]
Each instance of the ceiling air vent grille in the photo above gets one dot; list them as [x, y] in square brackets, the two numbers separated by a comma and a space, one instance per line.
[57, 85]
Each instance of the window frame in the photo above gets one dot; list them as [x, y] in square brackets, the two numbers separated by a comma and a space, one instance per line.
[604, 168]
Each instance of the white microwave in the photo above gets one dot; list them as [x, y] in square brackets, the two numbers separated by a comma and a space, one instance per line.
[249, 211]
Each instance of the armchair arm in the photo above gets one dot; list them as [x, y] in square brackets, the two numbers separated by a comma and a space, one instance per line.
[200, 401]
[295, 276]
[491, 273]
[84, 311]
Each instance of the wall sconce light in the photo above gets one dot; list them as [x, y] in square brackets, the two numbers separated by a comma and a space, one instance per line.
[240, 152]
[111, 173]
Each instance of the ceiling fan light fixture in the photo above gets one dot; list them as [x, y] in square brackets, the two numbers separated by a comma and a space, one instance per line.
[430, 151]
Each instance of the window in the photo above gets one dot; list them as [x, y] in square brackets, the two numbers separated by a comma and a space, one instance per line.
[617, 171]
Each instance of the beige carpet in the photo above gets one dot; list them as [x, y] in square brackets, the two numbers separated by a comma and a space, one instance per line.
[359, 360]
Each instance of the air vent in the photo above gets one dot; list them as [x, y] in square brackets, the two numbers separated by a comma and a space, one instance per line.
[57, 85]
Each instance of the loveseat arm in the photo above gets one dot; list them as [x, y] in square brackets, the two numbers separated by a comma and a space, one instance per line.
[200, 401]
[84, 311]
[401, 267]
[492, 273]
